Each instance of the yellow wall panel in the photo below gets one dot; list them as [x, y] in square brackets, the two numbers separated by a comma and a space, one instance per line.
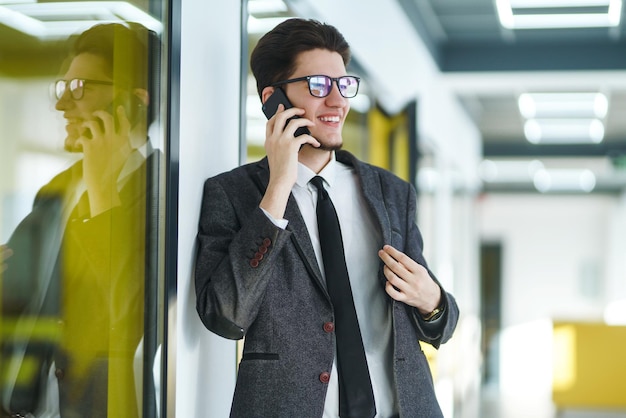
[589, 366]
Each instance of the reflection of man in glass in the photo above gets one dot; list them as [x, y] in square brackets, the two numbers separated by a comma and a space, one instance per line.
[73, 288]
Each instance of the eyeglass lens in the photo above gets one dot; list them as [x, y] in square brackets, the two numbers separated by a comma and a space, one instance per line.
[321, 85]
[76, 88]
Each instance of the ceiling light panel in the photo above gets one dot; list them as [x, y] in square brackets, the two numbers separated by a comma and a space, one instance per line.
[564, 131]
[563, 105]
[534, 4]
[562, 180]
[59, 20]
[556, 14]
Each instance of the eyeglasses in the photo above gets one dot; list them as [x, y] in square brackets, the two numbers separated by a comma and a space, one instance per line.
[322, 85]
[77, 87]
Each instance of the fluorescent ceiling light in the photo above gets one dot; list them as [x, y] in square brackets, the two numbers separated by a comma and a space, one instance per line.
[509, 170]
[59, 20]
[544, 179]
[564, 180]
[265, 7]
[263, 25]
[561, 131]
[563, 105]
[538, 4]
[562, 21]
[559, 14]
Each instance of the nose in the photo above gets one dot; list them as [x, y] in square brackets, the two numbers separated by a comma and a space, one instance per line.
[334, 98]
[65, 101]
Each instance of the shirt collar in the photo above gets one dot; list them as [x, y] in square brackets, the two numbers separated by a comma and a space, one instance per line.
[133, 162]
[305, 174]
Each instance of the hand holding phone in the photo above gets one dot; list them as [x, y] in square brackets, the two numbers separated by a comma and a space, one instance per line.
[271, 106]
[130, 105]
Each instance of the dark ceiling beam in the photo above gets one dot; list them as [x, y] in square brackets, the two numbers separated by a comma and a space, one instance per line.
[525, 149]
[414, 14]
[532, 57]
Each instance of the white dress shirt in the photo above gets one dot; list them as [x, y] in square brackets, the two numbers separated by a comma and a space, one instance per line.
[361, 241]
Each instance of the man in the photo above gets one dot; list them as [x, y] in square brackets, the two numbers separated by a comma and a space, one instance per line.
[263, 271]
[74, 280]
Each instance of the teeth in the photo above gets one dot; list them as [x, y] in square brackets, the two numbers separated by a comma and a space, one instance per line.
[330, 119]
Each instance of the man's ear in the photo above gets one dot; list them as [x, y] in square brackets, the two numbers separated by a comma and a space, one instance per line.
[266, 93]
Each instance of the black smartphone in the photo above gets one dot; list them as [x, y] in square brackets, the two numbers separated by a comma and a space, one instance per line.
[271, 105]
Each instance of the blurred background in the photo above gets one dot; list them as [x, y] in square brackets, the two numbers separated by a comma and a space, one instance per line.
[506, 115]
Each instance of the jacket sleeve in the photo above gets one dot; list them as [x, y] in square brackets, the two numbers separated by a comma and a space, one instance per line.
[440, 330]
[236, 246]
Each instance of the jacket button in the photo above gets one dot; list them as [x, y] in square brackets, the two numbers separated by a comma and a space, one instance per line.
[254, 263]
[329, 326]
[267, 242]
[258, 256]
[59, 373]
[325, 377]
[262, 249]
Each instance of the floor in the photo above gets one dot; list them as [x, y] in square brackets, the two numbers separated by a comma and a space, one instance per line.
[492, 404]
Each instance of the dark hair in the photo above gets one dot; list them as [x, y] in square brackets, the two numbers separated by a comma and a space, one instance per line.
[274, 57]
[123, 48]
[131, 53]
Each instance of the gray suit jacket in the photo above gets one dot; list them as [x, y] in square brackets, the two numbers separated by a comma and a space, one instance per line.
[256, 280]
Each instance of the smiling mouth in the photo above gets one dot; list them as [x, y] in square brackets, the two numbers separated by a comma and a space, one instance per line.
[334, 119]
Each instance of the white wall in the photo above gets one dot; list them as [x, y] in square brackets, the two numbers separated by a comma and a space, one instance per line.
[557, 251]
[615, 288]
[554, 254]
[209, 144]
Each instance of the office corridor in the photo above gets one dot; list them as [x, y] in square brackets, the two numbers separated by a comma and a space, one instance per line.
[491, 404]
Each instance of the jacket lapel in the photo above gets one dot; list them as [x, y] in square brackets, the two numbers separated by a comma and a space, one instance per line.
[297, 227]
[302, 241]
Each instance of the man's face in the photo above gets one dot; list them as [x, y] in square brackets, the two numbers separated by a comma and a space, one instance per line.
[95, 96]
[328, 113]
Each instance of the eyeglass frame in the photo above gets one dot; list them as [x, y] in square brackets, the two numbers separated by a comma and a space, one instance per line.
[308, 82]
[68, 83]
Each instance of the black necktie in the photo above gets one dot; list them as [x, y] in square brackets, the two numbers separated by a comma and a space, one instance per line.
[356, 398]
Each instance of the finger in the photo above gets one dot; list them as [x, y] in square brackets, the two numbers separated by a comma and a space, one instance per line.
[5, 252]
[106, 120]
[406, 261]
[122, 118]
[311, 141]
[394, 293]
[271, 125]
[397, 267]
[281, 112]
[282, 119]
[294, 124]
[395, 280]
[90, 130]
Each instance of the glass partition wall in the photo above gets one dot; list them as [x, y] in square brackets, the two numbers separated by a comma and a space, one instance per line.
[81, 170]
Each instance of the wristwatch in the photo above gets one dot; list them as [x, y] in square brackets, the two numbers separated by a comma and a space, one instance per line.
[435, 314]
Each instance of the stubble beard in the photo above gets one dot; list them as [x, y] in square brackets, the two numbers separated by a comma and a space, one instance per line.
[330, 145]
[335, 147]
